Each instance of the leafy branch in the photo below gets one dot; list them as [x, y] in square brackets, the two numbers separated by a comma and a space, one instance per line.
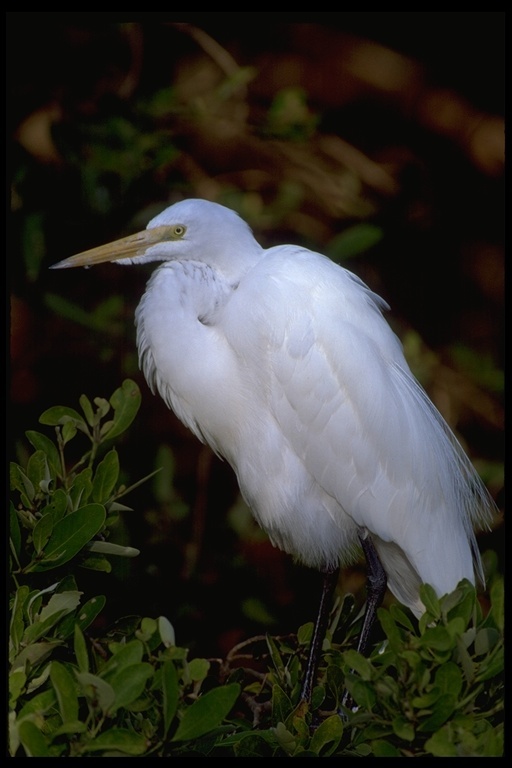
[429, 688]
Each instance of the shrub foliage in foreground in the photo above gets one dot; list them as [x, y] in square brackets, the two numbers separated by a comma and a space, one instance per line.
[429, 688]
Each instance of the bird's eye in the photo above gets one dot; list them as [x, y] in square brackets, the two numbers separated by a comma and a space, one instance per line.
[179, 230]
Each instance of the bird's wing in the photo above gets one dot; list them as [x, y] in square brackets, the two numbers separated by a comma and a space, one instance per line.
[332, 374]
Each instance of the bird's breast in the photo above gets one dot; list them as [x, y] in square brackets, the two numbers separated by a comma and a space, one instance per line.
[184, 353]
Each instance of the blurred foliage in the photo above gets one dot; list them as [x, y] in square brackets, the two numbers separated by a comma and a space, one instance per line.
[77, 688]
[348, 137]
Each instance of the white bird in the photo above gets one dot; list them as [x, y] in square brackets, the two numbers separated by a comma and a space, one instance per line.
[282, 362]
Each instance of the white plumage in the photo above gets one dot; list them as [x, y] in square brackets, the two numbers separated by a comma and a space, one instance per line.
[282, 362]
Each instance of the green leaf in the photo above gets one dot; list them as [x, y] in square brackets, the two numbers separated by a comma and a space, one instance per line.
[59, 603]
[297, 721]
[274, 654]
[33, 741]
[96, 563]
[42, 532]
[390, 628]
[207, 713]
[252, 745]
[80, 648]
[170, 690]
[492, 666]
[449, 678]
[403, 728]
[466, 662]
[58, 606]
[441, 744]
[90, 610]
[456, 627]
[498, 603]
[437, 638]
[107, 548]
[102, 406]
[443, 709]
[67, 584]
[40, 704]
[105, 477]
[305, 633]
[38, 472]
[98, 689]
[383, 748]
[34, 653]
[400, 617]
[460, 603]
[17, 682]
[14, 531]
[86, 406]
[198, 669]
[358, 663]
[61, 414]
[362, 692]
[426, 700]
[120, 739]
[58, 505]
[148, 628]
[387, 687]
[105, 428]
[70, 535]
[128, 684]
[492, 742]
[65, 688]
[115, 507]
[123, 655]
[36, 600]
[71, 727]
[335, 681]
[80, 491]
[68, 431]
[20, 482]
[285, 739]
[413, 659]
[485, 641]
[281, 704]
[43, 443]
[353, 241]
[126, 402]
[430, 600]
[327, 736]
[71, 311]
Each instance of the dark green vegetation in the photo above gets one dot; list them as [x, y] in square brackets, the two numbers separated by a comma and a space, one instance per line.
[78, 688]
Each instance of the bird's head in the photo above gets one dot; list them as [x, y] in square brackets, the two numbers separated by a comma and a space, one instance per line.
[191, 229]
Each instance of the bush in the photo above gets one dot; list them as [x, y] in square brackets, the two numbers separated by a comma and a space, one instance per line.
[429, 688]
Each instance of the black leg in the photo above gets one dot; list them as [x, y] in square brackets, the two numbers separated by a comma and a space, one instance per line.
[328, 587]
[376, 582]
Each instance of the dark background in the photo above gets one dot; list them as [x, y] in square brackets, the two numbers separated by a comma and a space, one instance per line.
[311, 127]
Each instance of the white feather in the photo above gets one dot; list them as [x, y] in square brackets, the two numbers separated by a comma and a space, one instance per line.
[282, 362]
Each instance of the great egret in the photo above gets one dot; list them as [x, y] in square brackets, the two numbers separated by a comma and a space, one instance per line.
[283, 363]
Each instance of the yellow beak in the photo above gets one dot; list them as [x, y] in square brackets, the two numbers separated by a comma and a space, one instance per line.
[126, 248]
